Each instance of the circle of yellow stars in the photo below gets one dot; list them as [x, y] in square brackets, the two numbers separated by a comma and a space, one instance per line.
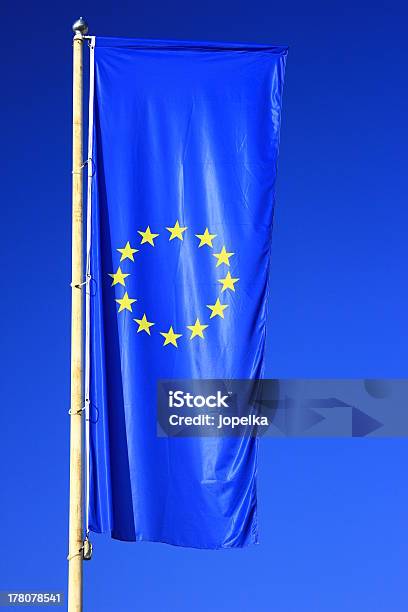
[176, 232]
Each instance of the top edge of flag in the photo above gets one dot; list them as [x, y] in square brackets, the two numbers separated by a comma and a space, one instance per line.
[188, 45]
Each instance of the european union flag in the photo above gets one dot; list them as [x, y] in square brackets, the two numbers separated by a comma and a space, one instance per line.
[184, 151]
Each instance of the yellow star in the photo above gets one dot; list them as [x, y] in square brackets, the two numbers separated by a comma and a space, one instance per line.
[118, 277]
[125, 303]
[228, 282]
[170, 337]
[147, 236]
[197, 329]
[217, 309]
[144, 324]
[176, 231]
[206, 238]
[127, 252]
[223, 257]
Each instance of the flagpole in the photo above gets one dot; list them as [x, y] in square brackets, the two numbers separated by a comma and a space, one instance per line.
[75, 554]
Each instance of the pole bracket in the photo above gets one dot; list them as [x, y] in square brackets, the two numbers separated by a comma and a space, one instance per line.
[80, 285]
[77, 554]
[85, 552]
[79, 411]
[82, 166]
[87, 549]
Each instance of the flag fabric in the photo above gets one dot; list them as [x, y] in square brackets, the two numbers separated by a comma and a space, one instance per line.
[184, 149]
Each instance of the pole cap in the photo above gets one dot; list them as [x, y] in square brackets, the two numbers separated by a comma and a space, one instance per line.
[80, 27]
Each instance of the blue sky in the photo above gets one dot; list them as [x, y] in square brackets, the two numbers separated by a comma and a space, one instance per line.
[332, 512]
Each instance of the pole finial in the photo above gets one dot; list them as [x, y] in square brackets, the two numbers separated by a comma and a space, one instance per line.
[80, 28]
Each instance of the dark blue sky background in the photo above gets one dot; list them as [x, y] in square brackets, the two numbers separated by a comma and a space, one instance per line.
[333, 513]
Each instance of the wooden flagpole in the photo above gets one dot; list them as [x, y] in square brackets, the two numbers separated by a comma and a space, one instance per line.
[75, 554]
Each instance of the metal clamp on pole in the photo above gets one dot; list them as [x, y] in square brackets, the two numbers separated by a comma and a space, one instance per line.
[80, 285]
[85, 552]
[87, 549]
[79, 411]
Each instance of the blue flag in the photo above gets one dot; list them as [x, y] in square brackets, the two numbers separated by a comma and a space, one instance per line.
[184, 151]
